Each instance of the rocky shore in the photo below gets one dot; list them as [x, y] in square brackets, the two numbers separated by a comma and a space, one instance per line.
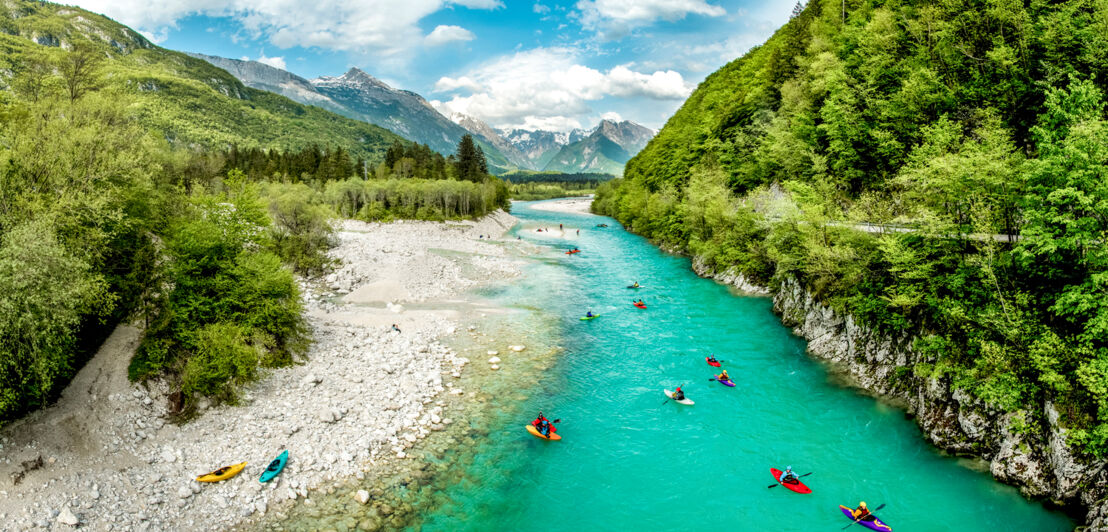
[106, 458]
[1036, 460]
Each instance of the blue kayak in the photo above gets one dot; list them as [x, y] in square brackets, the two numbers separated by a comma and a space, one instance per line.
[275, 467]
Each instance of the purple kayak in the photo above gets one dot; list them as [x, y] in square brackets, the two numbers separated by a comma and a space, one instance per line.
[727, 382]
[876, 524]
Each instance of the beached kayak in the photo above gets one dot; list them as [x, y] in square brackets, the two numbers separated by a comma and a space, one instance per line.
[685, 401]
[274, 467]
[222, 473]
[798, 486]
[715, 364]
[640, 305]
[876, 524]
[727, 382]
[587, 318]
[535, 432]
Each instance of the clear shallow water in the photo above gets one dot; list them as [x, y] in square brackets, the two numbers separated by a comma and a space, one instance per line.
[628, 460]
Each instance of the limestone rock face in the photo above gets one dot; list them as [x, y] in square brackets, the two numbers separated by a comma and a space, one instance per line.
[1027, 449]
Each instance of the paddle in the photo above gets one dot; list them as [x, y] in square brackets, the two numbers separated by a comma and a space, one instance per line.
[856, 521]
[778, 484]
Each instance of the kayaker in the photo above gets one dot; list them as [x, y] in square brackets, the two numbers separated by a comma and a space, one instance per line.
[678, 394]
[538, 421]
[636, 285]
[588, 314]
[559, 227]
[861, 513]
[724, 376]
[789, 476]
[712, 359]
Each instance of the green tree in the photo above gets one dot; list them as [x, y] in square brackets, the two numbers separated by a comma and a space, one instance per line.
[470, 161]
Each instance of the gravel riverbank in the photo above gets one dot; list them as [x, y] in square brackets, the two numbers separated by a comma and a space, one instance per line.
[105, 458]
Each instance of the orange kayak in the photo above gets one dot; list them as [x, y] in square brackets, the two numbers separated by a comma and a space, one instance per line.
[535, 432]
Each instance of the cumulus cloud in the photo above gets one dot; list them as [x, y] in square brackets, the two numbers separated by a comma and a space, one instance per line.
[385, 27]
[548, 87]
[613, 116]
[447, 34]
[275, 62]
[615, 17]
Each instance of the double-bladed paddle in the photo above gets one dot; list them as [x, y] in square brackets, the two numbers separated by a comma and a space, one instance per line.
[856, 521]
[777, 484]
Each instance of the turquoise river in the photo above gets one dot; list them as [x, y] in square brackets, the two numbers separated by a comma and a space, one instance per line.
[631, 460]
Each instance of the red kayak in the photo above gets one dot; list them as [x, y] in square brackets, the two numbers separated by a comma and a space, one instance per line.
[640, 305]
[799, 487]
[572, 251]
[715, 364]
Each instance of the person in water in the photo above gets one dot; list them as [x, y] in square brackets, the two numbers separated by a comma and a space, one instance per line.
[678, 394]
[724, 376]
[544, 425]
[861, 513]
[789, 477]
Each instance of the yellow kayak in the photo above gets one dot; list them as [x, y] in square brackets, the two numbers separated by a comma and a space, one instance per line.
[222, 473]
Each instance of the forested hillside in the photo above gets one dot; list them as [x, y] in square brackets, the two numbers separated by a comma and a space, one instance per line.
[189, 101]
[141, 185]
[974, 134]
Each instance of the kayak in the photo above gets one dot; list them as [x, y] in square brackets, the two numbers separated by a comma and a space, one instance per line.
[634, 287]
[798, 487]
[715, 364]
[685, 401]
[876, 524]
[222, 473]
[640, 305]
[727, 382]
[572, 251]
[535, 432]
[275, 467]
[587, 318]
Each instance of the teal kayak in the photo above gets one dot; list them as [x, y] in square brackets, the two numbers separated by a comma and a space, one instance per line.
[587, 318]
[275, 467]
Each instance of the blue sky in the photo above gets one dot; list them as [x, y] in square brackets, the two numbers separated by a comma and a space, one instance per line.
[513, 63]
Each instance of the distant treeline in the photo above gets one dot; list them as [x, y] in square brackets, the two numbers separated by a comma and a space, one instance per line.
[589, 179]
[542, 191]
[325, 163]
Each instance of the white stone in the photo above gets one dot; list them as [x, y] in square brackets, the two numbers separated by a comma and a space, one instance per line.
[494, 360]
[362, 496]
[493, 352]
[168, 456]
[184, 492]
[517, 348]
[494, 367]
[66, 517]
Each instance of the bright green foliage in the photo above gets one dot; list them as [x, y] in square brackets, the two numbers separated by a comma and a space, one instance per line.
[223, 280]
[44, 293]
[187, 100]
[301, 233]
[384, 200]
[974, 133]
[538, 190]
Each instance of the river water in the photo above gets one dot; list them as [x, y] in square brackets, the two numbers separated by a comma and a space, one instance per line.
[630, 459]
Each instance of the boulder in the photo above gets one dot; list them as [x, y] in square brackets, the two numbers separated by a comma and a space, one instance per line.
[362, 496]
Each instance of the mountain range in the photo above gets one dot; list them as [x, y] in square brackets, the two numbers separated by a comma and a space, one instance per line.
[361, 96]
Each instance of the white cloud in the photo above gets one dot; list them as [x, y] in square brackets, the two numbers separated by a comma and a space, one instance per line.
[617, 17]
[613, 116]
[549, 87]
[275, 62]
[447, 34]
[380, 27]
[540, 9]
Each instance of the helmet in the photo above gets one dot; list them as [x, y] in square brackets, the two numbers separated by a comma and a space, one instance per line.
[788, 468]
[862, 504]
